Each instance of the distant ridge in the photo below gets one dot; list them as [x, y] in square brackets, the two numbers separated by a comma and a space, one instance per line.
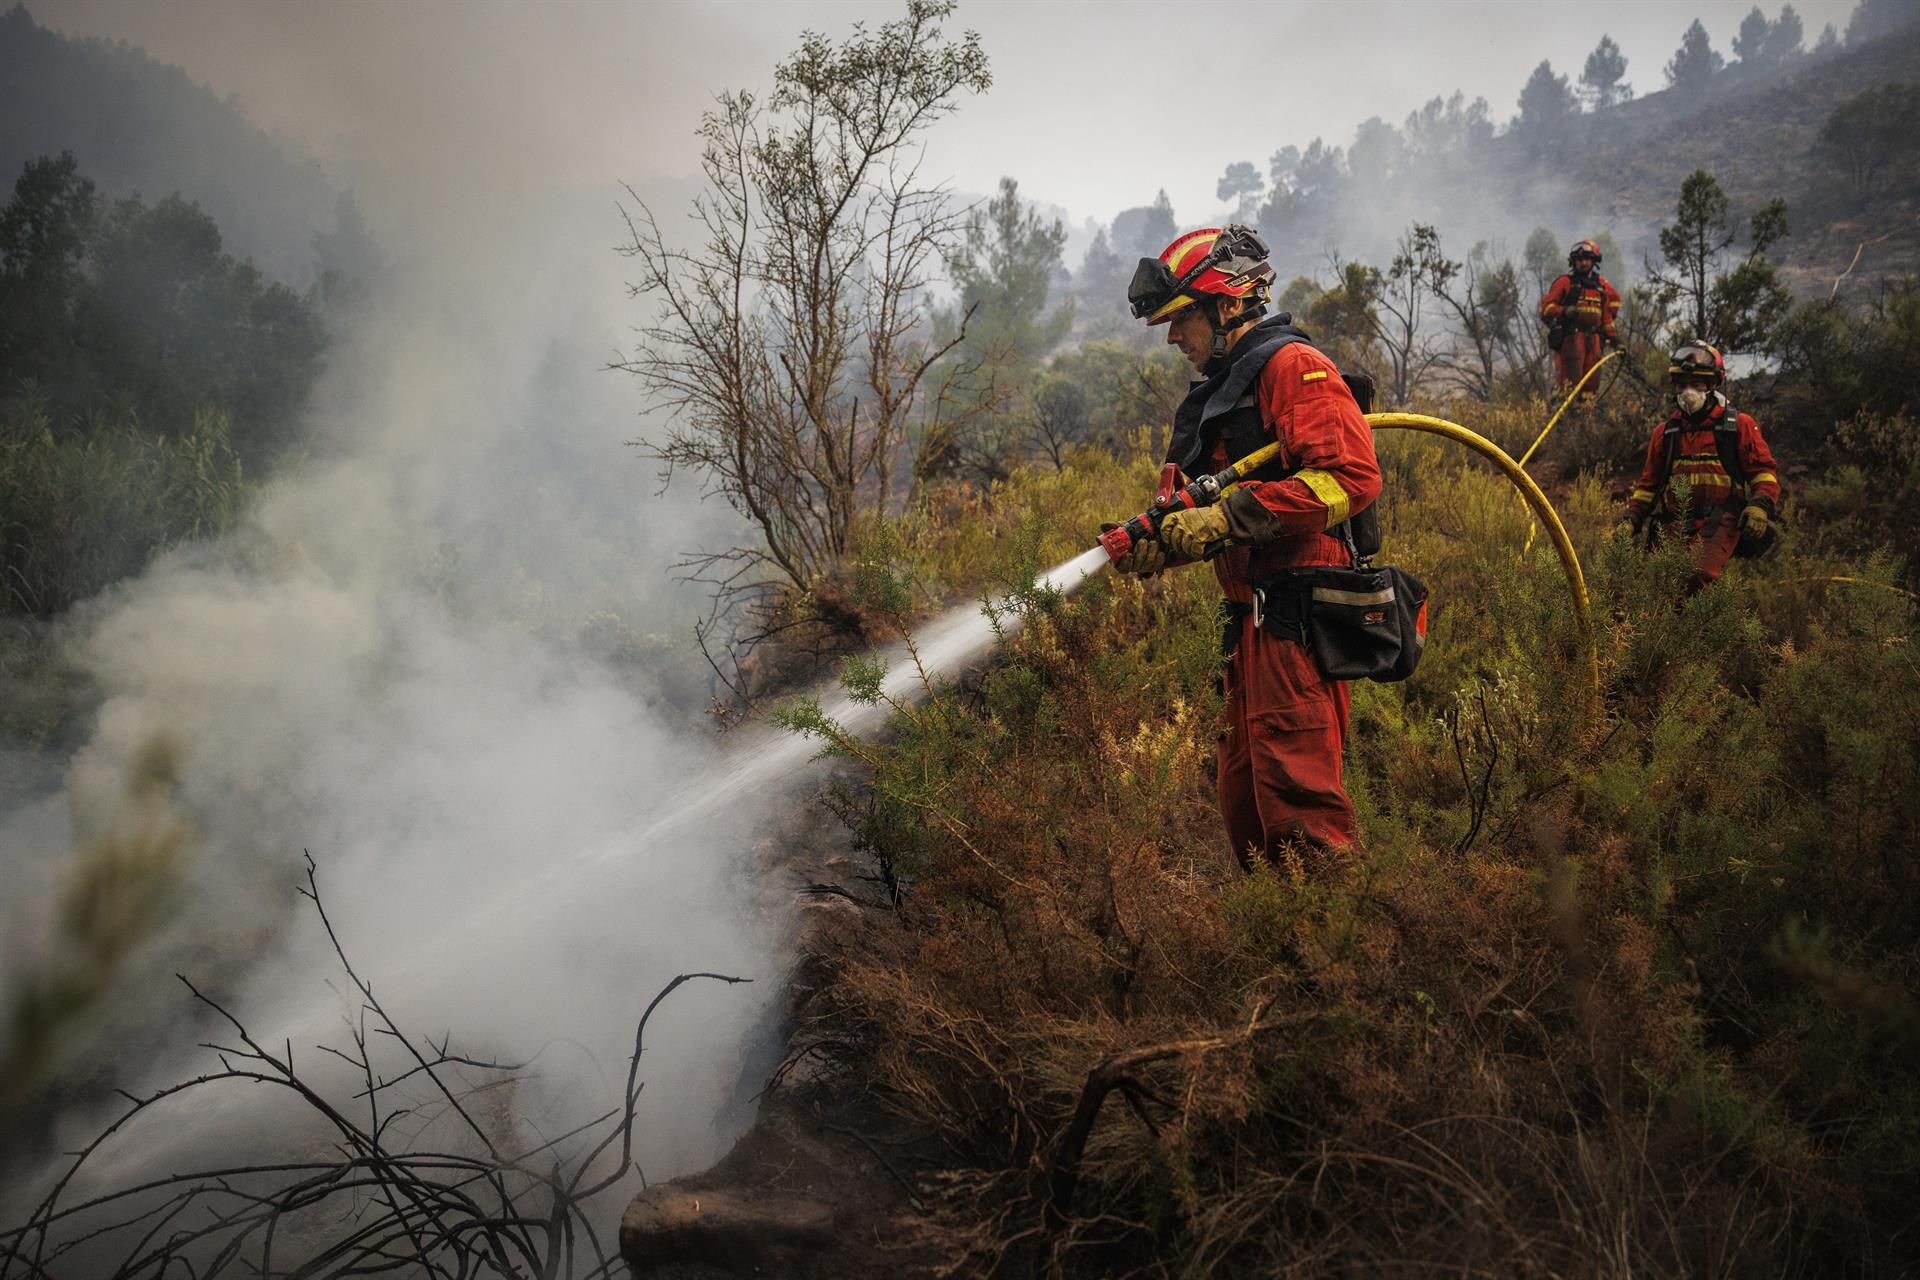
[1758, 134]
[140, 125]
[1619, 170]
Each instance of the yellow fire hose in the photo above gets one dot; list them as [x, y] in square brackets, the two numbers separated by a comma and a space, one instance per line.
[1541, 438]
[1576, 581]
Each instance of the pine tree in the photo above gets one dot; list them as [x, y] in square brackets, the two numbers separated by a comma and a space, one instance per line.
[1694, 61]
[1144, 230]
[1875, 18]
[1732, 301]
[1871, 132]
[1547, 102]
[1321, 169]
[1749, 43]
[1003, 270]
[1600, 78]
[1100, 274]
[1241, 184]
[1784, 37]
[1378, 151]
[1281, 167]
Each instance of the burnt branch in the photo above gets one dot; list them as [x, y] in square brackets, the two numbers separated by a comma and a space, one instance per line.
[482, 1207]
[1117, 1072]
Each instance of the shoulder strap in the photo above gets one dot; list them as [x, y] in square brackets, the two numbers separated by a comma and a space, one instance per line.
[1670, 450]
[1212, 397]
[1726, 440]
[1362, 387]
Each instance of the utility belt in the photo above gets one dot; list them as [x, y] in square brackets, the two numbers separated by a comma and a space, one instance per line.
[1705, 522]
[1359, 623]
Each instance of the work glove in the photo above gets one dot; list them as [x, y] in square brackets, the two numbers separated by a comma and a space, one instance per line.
[1633, 524]
[1753, 521]
[1190, 531]
[1146, 557]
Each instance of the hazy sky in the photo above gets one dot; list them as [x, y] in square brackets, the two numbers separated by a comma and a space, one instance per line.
[1094, 107]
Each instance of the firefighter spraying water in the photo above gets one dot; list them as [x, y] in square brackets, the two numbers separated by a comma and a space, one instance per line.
[1286, 467]
[1284, 510]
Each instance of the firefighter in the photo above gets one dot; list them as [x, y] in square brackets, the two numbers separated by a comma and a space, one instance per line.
[1261, 380]
[1581, 310]
[1719, 451]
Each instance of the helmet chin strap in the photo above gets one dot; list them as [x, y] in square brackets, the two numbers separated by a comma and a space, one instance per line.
[1219, 341]
[1250, 313]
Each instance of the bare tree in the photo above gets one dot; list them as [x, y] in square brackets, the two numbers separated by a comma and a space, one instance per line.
[788, 345]
[1482, 297]
[1058, 417]
[1393, 305]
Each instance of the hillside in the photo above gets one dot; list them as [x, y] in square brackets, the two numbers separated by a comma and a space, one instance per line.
[138, 125]
[1760, 138]
[1617, 171]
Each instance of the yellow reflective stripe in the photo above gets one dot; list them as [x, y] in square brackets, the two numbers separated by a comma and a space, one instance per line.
[1642, 494]
[1764, 477]
[1328, 490]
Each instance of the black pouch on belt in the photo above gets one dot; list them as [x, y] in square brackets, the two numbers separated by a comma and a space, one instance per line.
[1366, 624]
[1361, 624]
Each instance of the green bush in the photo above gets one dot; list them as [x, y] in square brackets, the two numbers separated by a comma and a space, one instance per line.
[80, 510]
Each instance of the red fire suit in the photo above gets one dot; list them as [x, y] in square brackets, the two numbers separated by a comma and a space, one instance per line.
[1586, 308]
[1712, 519]
[1286, 723]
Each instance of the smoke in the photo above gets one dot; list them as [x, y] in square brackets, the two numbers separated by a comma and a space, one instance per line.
[445, 654]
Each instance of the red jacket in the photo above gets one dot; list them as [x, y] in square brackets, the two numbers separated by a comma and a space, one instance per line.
[1306, 406]
[1590, 306]
[1698, 462]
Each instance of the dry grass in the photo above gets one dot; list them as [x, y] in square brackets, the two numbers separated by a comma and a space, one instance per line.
[1542, 1026]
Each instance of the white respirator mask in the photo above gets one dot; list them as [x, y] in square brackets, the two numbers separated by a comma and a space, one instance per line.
[1691, 400]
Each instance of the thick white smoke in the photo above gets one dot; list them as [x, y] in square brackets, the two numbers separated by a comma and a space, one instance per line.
[445, 654]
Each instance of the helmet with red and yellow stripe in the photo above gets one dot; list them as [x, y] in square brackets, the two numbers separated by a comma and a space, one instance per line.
[1695, 359]
[1213, 262]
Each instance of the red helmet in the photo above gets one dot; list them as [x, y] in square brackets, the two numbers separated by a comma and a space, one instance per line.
[1584, 249]
[1229, 262]
[1696, 358]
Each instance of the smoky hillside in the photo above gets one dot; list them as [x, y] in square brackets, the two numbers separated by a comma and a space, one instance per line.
[141, 126]
[1583, 155]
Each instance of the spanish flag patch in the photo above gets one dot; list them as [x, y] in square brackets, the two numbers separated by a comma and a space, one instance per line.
[1313, 375]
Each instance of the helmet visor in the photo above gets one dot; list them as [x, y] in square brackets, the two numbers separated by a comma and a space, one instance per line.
[1153, 287]
[1694, 361]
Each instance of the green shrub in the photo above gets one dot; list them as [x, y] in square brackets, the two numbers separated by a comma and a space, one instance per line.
[82, 509]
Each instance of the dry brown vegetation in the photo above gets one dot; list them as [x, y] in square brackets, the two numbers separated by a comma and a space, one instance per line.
[1603, 995]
